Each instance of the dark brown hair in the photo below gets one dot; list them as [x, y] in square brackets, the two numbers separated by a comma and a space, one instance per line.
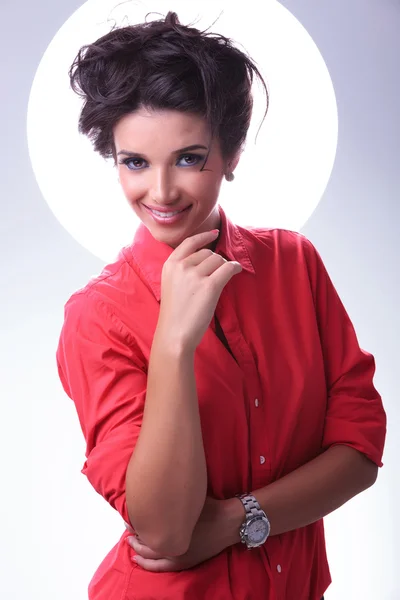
[164, 65]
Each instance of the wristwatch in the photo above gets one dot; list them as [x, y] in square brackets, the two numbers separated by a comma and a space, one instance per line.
[255, 530]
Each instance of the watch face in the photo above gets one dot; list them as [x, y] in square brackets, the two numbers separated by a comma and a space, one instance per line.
[257, 530]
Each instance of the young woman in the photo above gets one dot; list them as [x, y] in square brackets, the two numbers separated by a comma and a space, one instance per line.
[225, 402]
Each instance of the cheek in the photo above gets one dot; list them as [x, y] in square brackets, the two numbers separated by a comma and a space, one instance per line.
[204, 188]
[128, 185]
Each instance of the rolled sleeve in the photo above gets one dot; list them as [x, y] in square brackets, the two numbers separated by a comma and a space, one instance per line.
[355, 414]
[102, 371]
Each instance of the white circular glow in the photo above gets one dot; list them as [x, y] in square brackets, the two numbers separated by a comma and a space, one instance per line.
[282, 173]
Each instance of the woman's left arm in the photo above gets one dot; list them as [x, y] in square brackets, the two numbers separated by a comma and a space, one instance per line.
[298, 499]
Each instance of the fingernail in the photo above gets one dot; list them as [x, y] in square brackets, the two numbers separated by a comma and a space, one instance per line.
[135, 559]
[215, 231]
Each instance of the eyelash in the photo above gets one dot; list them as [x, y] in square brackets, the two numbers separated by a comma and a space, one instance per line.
[128, 160]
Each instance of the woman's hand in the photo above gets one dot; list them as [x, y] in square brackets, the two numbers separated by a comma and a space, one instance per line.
[211, 536]
[191, 284]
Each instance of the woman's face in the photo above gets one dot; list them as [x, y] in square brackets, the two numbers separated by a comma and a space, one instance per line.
[155, 174]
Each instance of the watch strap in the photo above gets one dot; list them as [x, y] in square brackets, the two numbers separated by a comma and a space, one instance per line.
[251, 505]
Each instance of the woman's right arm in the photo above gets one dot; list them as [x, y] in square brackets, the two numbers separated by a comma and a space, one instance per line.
[167, 476]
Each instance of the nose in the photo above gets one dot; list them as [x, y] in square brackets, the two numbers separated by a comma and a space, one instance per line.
[163, 191]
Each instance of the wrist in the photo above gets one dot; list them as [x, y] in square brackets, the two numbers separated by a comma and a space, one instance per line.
[171, 343]
[233, 515]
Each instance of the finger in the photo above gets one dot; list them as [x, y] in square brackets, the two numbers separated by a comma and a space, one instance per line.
[224, 273]
[158, 566]
[198, 257]
[193, 243]
[210, 264]
[143, 550]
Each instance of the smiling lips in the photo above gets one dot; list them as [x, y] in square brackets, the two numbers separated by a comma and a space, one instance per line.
[167, 217]
[165, 212]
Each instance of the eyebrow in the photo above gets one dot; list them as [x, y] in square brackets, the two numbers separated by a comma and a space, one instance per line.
[180, 151]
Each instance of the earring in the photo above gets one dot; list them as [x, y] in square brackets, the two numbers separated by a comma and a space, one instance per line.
[229, 176]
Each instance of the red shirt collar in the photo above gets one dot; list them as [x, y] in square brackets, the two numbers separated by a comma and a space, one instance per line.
[150, 254]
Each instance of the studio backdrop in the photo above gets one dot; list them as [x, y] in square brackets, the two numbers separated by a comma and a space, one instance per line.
[324, 162]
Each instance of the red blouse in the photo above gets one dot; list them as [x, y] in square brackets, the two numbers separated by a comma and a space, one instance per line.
[295, 384]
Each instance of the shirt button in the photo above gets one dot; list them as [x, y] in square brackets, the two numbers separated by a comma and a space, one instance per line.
[262, 459]
[279, 569]
[256, 402]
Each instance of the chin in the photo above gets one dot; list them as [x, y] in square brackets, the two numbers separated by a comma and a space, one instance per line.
[172, 238]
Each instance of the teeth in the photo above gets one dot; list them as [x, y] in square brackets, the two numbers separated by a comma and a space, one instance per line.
[166, 215]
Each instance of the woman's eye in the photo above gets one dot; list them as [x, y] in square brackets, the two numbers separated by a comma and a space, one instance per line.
[131, 163]
[195, 156]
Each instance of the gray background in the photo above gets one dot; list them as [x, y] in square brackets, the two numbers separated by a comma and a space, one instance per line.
[54, 531]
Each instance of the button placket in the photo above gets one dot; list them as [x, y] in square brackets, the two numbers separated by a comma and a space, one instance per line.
[246, 360]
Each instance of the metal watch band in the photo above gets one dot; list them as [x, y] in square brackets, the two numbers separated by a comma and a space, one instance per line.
[251, 505]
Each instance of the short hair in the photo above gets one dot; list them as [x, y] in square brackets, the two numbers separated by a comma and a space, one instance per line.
[161, 65]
